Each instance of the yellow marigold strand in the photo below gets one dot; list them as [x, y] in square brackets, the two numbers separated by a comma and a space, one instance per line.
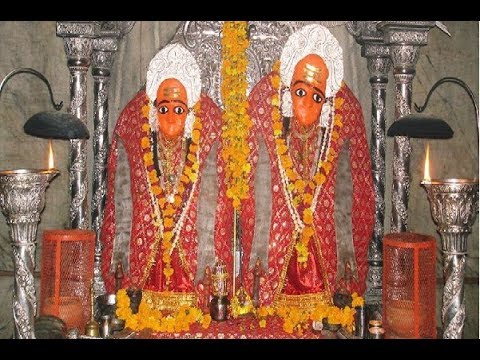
[236, 121]
[149, 318]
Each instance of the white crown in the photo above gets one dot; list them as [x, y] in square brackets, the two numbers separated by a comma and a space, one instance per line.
[174, 61]
[312, 39]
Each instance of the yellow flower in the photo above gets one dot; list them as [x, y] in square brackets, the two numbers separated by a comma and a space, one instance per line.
[167, 235]
[193, 148]
[206, 320]
[145, 111]
[307, 216]
[262, 323]
[319, 178]
[196, 136]
[263, 311]
[177, 201]
[168, 222]
[307, 198]
[236, 122]
[153, 176]
[148, 159]
[192, 176]
[327, 166]
[168, 272]
[169, 210]
[146, 127]
[357, 300]
[145, 142]
[308, 231]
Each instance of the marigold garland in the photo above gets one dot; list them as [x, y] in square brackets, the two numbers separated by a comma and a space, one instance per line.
[297, 319]
[236, 121]
[166, 216]
[301, 194]
[149, 318]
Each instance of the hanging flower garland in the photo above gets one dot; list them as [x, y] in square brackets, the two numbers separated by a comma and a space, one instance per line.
[302, 195]
[236, 122]
[168, 217]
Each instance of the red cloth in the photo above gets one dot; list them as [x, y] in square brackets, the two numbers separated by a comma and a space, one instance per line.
[241, 328]
[129, 131]
[281, 227]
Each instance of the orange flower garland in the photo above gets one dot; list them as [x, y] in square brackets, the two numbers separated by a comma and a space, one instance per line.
[301, 193]
[149, 318]
[164, 217]
[296, 319]
[237, 122]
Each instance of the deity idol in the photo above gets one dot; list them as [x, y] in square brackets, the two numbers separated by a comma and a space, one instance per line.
[167, 131]
[305, 114]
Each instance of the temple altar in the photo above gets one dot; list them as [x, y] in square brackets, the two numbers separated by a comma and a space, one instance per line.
[312, 217]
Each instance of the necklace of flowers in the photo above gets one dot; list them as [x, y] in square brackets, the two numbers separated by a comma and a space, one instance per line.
[169, 216]
[236, 121]
[297, 191]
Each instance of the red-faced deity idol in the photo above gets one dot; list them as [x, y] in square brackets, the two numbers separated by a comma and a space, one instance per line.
[306, 116]
[166, 132]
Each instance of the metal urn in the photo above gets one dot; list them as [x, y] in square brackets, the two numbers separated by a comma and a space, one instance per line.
[219, 303]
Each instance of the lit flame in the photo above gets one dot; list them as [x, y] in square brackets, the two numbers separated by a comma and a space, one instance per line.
[51, 163]
[426, 169]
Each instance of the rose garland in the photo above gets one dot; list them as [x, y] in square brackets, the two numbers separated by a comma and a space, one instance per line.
[236, 121]
[302, 194]
[164, 217]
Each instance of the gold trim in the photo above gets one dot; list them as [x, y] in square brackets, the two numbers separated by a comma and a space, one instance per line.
[312, 74]
[288, 256]
[327, 293]
[321, 261]
[304, 301]
[170, 301]
[173, 92]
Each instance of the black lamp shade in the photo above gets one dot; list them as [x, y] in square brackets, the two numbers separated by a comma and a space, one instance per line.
[56, 125]
[420, 126]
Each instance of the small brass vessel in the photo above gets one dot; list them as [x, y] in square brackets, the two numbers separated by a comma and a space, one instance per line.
[92, 328]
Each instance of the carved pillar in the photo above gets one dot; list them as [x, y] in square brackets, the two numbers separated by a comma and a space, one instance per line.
[378, 63]
[77, 37]
[104, 49]
[404, 39]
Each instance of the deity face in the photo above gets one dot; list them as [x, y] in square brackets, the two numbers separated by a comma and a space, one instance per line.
[307, 88]
[172, 109]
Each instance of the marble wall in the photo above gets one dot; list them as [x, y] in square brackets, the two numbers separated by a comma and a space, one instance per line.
[34, 44]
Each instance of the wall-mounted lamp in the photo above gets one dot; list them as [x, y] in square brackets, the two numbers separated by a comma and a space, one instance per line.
[22, 199]
[50, 124]
[428, 126]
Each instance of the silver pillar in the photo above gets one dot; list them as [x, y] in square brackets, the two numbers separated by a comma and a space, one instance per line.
[378, 64]
[78, 47]
[404, 39]
[104, 49]
[454, 207]
[378, 67]
[22, 199]
[103, 54]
